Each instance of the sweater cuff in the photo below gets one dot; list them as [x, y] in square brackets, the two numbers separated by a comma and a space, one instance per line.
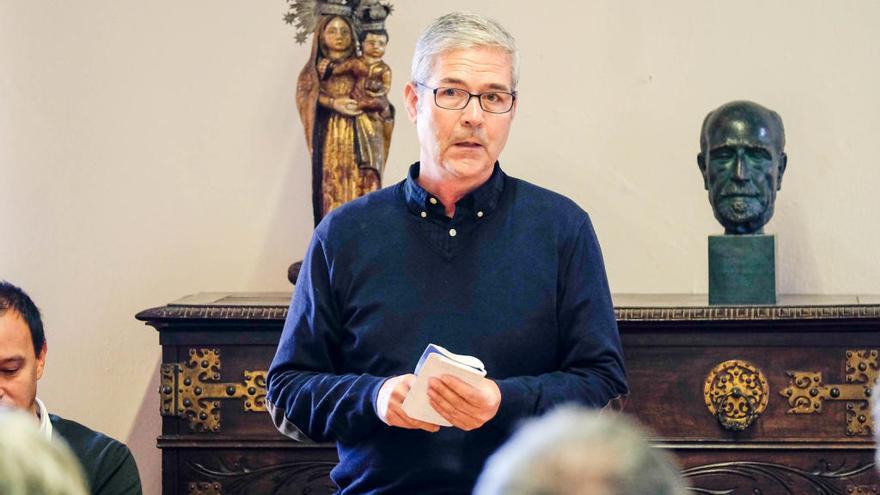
[362, 419]
[374, 396]
[517, 402]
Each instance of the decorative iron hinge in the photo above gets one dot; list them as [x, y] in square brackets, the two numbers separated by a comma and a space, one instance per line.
[192, 390]
[806, 391]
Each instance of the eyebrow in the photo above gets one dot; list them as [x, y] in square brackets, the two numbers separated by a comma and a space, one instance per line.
[453, 80]
[734, 145]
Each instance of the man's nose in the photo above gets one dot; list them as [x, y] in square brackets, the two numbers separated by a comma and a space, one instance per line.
[472, 114]
[739, 168]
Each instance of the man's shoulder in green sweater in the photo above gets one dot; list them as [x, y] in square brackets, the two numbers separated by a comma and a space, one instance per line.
[107, 463]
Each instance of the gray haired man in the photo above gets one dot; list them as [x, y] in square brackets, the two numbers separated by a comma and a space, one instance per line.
[460, 255]
[579, 452]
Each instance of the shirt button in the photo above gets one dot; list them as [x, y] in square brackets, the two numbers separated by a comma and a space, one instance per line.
[452, 232]
[433, 201]
[423, 214]
[479, 214]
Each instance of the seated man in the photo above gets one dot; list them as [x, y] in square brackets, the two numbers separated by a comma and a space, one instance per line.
[107, 464]
[574, 451]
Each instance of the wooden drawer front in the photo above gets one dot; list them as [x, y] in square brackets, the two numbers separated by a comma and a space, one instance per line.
[668, 368]
[668, 393]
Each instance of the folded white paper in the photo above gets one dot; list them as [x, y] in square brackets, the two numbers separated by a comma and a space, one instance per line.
[435, 362]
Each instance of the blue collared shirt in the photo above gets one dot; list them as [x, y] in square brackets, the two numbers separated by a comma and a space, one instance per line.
[447, 235]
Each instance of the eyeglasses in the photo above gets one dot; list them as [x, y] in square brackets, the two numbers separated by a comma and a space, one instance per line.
[457, 98]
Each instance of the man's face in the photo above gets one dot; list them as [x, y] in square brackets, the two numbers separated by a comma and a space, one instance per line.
[374, 45]
[20, 367]
[742, 169]
[462, 145]
[336, 35]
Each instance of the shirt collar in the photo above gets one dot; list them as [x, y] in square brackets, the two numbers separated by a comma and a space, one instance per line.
[45, 422]
[483, 199]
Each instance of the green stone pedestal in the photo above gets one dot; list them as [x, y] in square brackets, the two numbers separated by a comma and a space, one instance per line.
[742, 269]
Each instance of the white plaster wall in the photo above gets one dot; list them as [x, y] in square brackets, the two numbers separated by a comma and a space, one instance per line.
[150, 150]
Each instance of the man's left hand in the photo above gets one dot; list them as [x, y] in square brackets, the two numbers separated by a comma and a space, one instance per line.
[466, 406]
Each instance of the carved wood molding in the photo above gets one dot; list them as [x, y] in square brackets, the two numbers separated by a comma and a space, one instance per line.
[746, 313]
[214, 313]
[696, 313]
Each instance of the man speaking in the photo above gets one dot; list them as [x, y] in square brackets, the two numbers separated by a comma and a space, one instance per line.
[458, 254]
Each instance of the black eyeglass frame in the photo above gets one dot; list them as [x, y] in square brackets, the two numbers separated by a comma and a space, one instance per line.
[470, 95]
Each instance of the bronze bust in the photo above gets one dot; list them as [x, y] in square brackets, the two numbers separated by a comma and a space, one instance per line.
[742, 159]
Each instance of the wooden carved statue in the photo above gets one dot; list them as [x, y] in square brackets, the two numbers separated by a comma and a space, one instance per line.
[342, 97]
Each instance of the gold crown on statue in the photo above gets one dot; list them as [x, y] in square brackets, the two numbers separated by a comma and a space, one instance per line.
[371, 15]
[334, 7]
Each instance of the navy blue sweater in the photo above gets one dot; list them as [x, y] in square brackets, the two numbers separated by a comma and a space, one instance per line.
[515, 278]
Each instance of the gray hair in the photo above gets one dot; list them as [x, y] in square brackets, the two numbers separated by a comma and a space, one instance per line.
[31, 463]
[461, 30]
[578, 451]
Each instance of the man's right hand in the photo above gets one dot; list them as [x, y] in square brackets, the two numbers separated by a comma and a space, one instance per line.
[389, 404]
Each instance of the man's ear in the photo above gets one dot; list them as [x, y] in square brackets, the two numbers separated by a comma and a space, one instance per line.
[41, 360]
[411, 101]
[783, 161]
[701, 162]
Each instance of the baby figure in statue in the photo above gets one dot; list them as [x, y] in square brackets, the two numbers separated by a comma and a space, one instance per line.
[372, 84]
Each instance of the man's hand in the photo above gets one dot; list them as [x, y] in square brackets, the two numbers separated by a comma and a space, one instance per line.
[389, 404]
[465, 406]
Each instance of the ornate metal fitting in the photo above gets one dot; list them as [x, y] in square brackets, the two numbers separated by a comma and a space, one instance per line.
[863, 490]
[205, 489]
[192, 390]
[736, 392]
[806, 391]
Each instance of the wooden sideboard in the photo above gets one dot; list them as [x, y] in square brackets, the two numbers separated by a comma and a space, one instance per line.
[752, 399]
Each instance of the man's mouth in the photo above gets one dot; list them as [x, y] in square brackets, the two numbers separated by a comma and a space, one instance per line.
[469, 144]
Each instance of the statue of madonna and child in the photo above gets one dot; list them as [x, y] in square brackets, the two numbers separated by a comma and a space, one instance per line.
[342, 97]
